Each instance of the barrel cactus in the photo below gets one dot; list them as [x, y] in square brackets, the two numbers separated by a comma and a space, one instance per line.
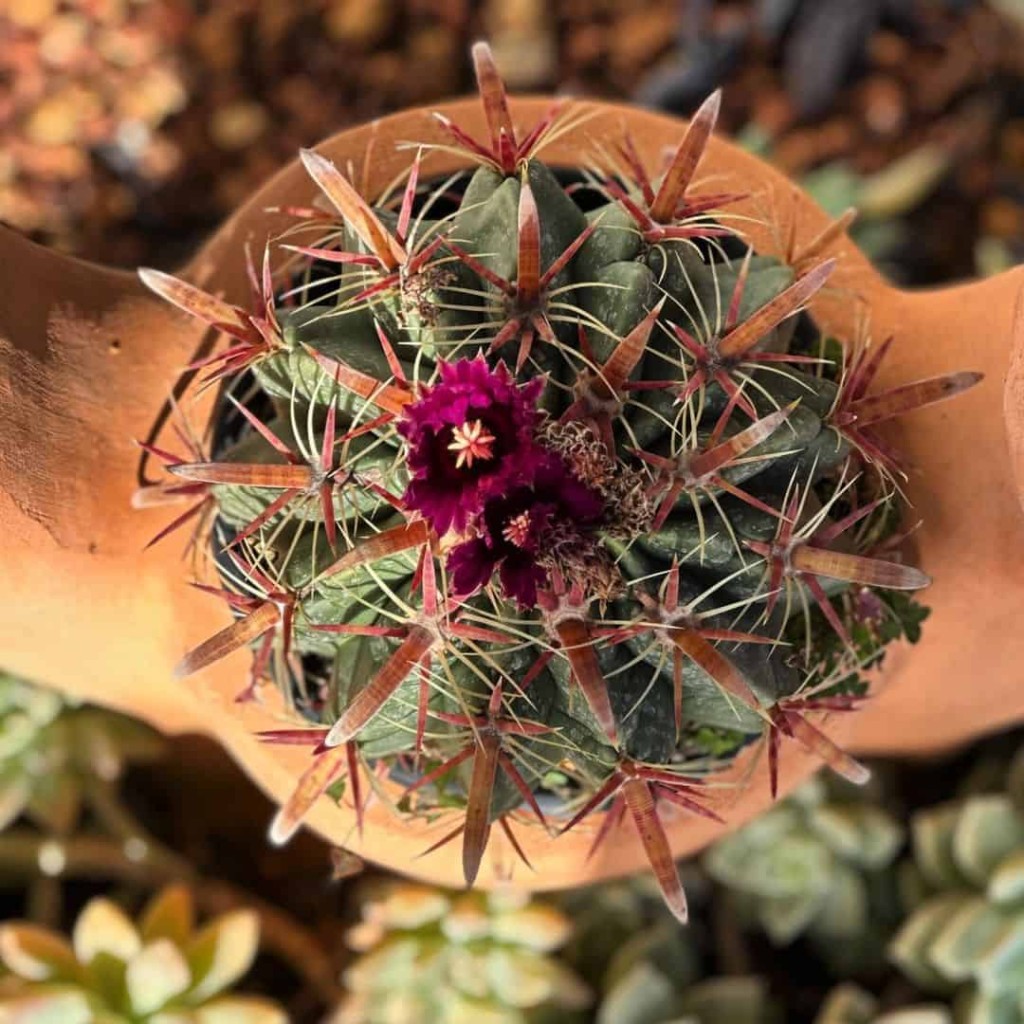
[534, 490]
[429, 954]
[965, 932]
[814, 865]
[159, 970]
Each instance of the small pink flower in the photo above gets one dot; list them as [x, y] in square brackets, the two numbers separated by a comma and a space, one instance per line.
[470, 436]
[515, 529]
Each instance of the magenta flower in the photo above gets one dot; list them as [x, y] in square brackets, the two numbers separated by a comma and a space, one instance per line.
[522, 528]
[470, 436]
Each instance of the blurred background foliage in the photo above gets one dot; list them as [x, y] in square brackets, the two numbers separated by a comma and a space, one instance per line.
[152, 897]
[128, 130]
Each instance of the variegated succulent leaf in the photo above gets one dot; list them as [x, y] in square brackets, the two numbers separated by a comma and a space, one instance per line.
[114, 970]
[964, 931]
[430, 954]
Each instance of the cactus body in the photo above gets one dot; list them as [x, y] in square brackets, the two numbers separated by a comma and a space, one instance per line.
[543, 495]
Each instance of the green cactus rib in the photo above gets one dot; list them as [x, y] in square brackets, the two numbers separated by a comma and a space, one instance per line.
[720, 565]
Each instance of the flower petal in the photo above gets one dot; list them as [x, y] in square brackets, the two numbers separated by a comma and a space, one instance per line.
[470, 566]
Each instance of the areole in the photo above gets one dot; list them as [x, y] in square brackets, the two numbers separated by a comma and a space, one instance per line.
[87, 359]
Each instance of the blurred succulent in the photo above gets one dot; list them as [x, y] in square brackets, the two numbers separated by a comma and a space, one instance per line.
[965, 931]
[815, 865]
[645, 995]
[462, 958]
[530, 479]
[882, 200]
[616, 924]
[849, 1004]
[113, 971]
[50, 748]
[645, 967]
[816, 58]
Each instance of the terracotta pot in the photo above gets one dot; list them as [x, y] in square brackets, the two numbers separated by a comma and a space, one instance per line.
[87, 359]
[1013, 398]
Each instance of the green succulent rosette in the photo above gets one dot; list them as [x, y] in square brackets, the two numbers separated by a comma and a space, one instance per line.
[51, 748]
[159, 970]
[815, 865]
[964, 934]
[426, 954]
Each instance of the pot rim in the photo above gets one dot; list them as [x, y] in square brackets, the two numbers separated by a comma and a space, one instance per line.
[558, 861]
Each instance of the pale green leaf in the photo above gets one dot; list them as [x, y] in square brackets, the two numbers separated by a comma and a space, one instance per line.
[988, 830]
[847, 1004]
[47, 1006]
[15, 791]
[241, 1010]
[538, 926]
[35, 954]
[466, 921]
[1006, 884]
[739, 1000]
[1001, 970]
[222, 952]
[787, 917]
[974, 1007]
[932, 835]
[966, 937]
[103, 927]
[525, 979]
[859, 833]
[917, 1015]
[910, 949]
[156, 975]
[170, 915]
[843, 910]
[642, 996]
